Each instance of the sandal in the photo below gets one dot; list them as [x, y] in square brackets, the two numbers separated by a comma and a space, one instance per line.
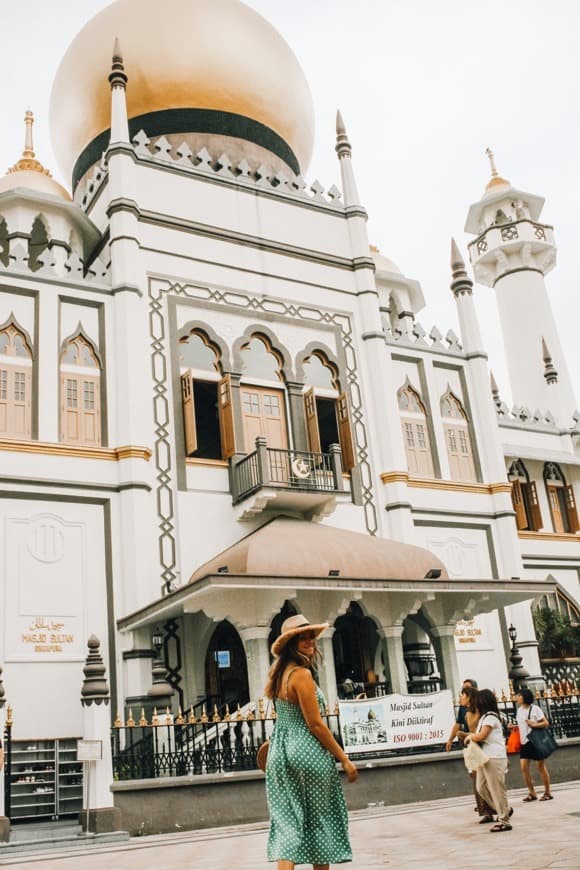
[530, 797]
[547, 797]
[486, 820]
[501, 826]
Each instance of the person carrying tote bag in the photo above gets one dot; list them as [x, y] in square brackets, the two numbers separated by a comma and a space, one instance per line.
[490, 779]
[537, 743]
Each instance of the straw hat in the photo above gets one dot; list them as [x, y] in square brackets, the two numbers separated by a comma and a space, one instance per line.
[291, 627]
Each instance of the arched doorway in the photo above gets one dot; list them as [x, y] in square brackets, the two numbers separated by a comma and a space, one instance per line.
[355, 643]
[420, 656]
[287, 609]
[226, 671]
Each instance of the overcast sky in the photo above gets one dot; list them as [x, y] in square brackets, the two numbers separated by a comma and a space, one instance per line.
[424, 87]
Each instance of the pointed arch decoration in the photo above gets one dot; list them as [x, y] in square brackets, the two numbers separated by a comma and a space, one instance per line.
[208, 424]
[524, 498]
[80, 391]
[561, 499]
[457, 437]
[415, 431]
[16, 355]
[39, 242]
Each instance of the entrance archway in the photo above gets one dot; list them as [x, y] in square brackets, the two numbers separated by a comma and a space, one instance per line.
[355, 643]
[226, 670]
[420, 656]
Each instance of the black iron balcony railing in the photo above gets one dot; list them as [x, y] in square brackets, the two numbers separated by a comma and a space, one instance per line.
[297, 470]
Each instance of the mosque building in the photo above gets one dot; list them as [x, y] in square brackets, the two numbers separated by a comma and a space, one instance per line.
[218, 406]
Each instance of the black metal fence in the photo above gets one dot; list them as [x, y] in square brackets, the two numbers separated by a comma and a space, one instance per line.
[7, 744]
[189, 746]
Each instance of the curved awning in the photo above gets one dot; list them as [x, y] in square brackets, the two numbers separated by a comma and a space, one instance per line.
[287, 547]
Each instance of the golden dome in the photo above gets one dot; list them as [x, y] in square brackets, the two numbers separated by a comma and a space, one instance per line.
[218, 58]
[29, 172]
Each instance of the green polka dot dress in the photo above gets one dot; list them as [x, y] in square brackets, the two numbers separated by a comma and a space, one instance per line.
[308, 816]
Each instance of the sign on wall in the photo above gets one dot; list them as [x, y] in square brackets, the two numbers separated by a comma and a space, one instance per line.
[471, 634]
[396, 721]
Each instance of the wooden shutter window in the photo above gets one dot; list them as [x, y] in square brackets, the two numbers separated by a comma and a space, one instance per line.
[571, 509]
[519, 506]
[312, 421]
[226, 417]
[536, 522]
[345, 434]
[188, 406]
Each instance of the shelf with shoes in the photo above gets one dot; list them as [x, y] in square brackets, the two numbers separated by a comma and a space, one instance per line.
[46, 780]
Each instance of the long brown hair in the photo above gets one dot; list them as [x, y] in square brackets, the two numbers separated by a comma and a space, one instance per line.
[471, 695]
[289, 655]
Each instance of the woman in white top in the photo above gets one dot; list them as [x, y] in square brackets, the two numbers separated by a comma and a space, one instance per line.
[490, 781]
[530, 716]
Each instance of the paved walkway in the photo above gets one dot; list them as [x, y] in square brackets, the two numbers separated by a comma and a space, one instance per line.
[440, 835]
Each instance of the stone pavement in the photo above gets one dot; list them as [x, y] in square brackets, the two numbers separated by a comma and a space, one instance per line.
[439, 835]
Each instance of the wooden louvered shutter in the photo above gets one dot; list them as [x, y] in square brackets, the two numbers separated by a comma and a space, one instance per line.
[226, 417]
[536, 517]
[571, 509]
[345, 434]
[311, 416]
[518, 503]
[188, 405]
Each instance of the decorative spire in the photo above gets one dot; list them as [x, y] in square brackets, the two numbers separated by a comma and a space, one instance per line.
[2, 692]
[95, 688]
[117, 76]
[28, 160]
[461, 283]
[550, 373]
[496, 179]
[343, 146]
[494, 386]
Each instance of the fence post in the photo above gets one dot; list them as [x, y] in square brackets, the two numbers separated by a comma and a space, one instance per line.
[99, 816]
[5, 752]
[336, 463]
[263, 464]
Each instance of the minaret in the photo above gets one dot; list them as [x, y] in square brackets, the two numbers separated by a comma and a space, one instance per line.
[513, 252]
[344, 150]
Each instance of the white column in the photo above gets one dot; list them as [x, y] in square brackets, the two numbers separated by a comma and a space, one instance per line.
[327, 672]
[395, 661]
[445, 638]
[255, 640]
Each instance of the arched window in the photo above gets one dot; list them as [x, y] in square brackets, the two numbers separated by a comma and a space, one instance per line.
[15, 383]
[524, 498]
[457, 438]
[561, 500]
[80, 373]
[262, 394]
[207, 418]
[326, 409]
[415, 432]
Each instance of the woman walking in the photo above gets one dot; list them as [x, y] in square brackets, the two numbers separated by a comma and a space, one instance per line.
[469, 701]
[308, 816]
[490, 781]
[530, 716]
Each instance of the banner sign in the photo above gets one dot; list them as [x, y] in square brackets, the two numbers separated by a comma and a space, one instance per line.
[396, 721]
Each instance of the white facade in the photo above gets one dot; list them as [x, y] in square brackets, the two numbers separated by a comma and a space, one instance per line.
[104, 515]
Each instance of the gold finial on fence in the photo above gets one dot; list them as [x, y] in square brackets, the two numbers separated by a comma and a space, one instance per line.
[503, 696]
[250, 717]
[227, 716]
[336, 709]
[216, 715]
[180, 720]
[130, 720]
[9, 719]
[118, 723]
[191, 717]
[204, 720]
[239, 715]
[326, 710]
[143, 719]
[560, 691]
[167, 716]
[538, 696]
[155, 717]
[261, 710]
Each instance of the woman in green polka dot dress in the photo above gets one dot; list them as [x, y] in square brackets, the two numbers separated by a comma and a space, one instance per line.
[308, 816]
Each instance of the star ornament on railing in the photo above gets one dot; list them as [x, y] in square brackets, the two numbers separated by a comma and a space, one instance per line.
[301, 467]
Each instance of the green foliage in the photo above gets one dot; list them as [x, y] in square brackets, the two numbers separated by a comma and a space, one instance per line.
[558, 637]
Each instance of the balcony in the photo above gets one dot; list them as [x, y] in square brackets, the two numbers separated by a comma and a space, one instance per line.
[288, 481]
